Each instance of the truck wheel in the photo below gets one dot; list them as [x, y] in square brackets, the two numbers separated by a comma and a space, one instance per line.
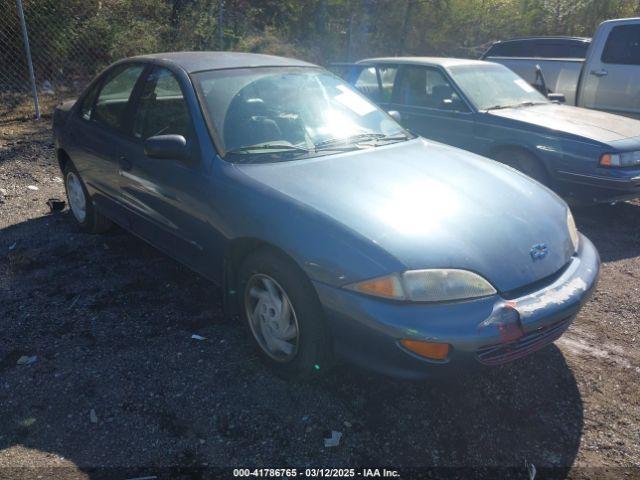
[88, 218]
[284, 316]
[524, 162]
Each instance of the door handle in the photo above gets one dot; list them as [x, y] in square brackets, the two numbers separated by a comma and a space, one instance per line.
[125, 163]
[599, 73]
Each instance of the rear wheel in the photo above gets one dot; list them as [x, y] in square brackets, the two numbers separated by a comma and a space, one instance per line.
[524, 162]
[284, 316]
[88, 218]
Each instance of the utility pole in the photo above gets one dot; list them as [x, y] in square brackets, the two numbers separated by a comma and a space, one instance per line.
[27, 49]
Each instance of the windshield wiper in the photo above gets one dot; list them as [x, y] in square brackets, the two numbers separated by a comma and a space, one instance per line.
[530, 104]
[521, 104]
[346, 140]
[269, 146]
[497, 107]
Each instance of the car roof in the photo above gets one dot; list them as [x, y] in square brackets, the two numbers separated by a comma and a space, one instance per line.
[430, 61]
[199, 61]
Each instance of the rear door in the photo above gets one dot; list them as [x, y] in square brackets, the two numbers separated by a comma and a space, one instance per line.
[98, 133]
[167, 197]
[611, 76]
[431, 106]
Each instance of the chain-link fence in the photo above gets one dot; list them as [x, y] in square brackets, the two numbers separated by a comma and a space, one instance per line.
[64, 53]
[72, 40]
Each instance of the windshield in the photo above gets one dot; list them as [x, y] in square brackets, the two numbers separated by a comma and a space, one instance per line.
[282, 113]
[494, 86]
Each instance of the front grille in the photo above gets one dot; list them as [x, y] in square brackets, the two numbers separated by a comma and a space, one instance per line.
[532, 341]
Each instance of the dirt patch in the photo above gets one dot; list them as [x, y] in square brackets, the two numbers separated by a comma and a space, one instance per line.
[110, 320]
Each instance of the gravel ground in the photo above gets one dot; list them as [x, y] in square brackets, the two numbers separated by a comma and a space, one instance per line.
[119, 383]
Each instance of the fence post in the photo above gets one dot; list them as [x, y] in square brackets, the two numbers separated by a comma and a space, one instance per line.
[221, 25]
[27, 49]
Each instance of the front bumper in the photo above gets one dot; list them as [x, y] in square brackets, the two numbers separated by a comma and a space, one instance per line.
[367, 330]
[604, 185]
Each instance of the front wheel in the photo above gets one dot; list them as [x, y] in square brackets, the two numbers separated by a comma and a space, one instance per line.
[284, 316]
[525, 163]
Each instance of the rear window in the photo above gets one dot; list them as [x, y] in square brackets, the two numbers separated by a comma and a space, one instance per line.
[540, 48]
[623, 46]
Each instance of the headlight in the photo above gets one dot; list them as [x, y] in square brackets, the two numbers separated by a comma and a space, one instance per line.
[627, 159]
[573, 230]
[427, 286]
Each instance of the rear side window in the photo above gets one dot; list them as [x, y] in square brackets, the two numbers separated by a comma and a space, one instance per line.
[540, 48]
[114, 97]
[508, 49]
[623, 46]
[388, 77]
[162, 109]
[367, 83]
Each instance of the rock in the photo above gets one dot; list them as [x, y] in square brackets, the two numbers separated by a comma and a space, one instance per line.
[33, 187]
[92, 416]
[27, 360]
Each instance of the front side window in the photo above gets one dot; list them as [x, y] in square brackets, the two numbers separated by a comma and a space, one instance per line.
[284, 112]
[162, 109]
[494, 86]
[114, 97]
[86, 108]
[427, 87]
[623, 46]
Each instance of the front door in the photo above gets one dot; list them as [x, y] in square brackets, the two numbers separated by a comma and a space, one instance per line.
[166, 196]
[430, 106]
[611, 77]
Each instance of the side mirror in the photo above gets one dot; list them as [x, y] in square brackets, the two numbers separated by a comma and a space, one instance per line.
[171, 147]
[395, 115]
[557, 97]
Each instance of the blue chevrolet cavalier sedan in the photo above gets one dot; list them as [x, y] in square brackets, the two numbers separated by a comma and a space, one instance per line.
[587, 156]
[335, 233]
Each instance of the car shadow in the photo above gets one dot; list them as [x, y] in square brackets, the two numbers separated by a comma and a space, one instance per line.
[529, 411]
[612, 228]
[118, 380]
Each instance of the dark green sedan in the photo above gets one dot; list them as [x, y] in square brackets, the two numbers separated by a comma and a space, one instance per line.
[585, 155]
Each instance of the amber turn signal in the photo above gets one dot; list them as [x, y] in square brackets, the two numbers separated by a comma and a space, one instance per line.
[605, 160]
[430, 350]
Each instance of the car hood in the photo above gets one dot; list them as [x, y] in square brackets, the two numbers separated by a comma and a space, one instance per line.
[600, 126]
[433, 206]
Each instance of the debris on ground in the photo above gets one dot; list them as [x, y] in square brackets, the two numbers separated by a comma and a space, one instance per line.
[333, 440]
[27, 360]
[28, 422]
[33, 187]
[13, 246]
[195, 336]
[92, 416]
[56, 205]
[531, 470]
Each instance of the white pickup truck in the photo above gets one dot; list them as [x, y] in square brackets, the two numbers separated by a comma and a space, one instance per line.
[602, 73]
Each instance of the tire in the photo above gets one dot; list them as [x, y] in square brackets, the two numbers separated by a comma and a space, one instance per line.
[310, 354]
[83, 210]
[524, 162]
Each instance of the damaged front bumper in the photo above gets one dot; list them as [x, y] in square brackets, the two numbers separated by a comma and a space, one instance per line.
[489, 331]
